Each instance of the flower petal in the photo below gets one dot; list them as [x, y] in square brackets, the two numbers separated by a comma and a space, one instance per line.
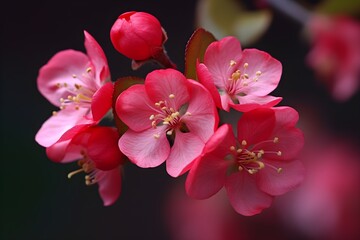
[204, 117]
[56, 77]
[134, 108]
[244, 195]
[187, 147]
[146, 149]
[102, 101]
[251, 102]
[97, 58]
[53, 128]
[277, 183]
[208, 174]
[109, 185]
[159, 84]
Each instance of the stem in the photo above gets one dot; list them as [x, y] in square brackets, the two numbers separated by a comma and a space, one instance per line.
[292, 9]
[163, 59]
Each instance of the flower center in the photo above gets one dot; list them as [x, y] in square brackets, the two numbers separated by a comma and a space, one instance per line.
[87, 166]
[250, 159]
[80, 94]
[239, 79]
[167, 115]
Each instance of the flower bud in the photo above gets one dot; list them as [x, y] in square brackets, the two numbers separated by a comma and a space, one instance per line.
[137, 35]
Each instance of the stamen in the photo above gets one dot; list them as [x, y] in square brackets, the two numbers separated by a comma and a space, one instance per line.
[232, 148]
[258, 73]
[75, 172]
[172, 96]
[88, 69]
[276, 139]
[232, 63]
[243, 142]
[236, 75]
[54, 113]
[279, 153]
[246, 65]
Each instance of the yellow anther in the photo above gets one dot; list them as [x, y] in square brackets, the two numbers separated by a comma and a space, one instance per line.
[246, 76]
[279, 170]
[279, 153]
[246, 65]
[172, 96]
[276, 140]
[239, 150]
[232, 148]
[243, 142]
[77, 86]
[152, 117]
[88, 69]
[169, 132]
[54, 113]
[232, 63]
[236, 75]
[258, 73]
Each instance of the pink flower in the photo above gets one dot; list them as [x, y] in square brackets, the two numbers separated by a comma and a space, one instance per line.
[335, 54]
[96, 150]
[239, 79]
[169, 118]
[77, 83]
[257, 165]
[137, 35]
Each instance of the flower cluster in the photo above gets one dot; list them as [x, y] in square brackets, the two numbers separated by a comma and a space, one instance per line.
[173, 116]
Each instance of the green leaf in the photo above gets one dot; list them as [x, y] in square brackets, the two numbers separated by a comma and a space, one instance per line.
[350, 7]
[121, 85]
[195, 49]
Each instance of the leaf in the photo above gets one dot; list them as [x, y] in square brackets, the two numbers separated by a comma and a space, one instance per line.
[195, 49]
[349, 7]
[230, 17]
[121, 85]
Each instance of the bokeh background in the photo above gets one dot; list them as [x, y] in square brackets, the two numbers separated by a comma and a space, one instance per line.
[37, 199]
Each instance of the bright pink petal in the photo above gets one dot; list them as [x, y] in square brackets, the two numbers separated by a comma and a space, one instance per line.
[264, 72]
[58, 124]
[250, 102]
[187, 147]
[218, 56]
[102, 101]
[56, 77]
[134, 108]
[208, 174]
[97, 58]
[277, 183]
[109, 185]
[160, 84]
[204, 117]
[103, 148]
[206, 79]
[244, 195]
[256, 125]
[146, 149]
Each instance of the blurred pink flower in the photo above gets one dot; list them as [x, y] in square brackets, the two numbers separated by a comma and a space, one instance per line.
[327, 204]
[239, 79]
[77, 83]
[169, 118]
[335, 53]
[96, 150]
[257, 165]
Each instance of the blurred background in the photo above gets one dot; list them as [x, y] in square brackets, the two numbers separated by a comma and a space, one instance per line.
[39, 202]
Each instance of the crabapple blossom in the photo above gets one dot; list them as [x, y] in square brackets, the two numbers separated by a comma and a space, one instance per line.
[96, 151]
[335, 55]
[79, 84]
[239, 79]
[253, 167]
[170, 118]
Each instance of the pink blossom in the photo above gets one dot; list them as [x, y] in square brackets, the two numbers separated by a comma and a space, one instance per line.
[257, 165]
[96, 151]
[335, 54]
[79, 85]
[137, 35]
[169, 118]
[239, 79]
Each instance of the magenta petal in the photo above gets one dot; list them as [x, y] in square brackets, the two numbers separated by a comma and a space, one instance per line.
[109, 185]
[269, 67]
[206, 79]
[59, 71]
[250, 102]
[53, 128]
[134, 108]
[204, 117]
[218, 56]
[102, 101]
[274, 183]
[244, 195]
[208, 174]
[103, 148]
[186, 148]
[146, 149]
[97, 58]
[160, 84]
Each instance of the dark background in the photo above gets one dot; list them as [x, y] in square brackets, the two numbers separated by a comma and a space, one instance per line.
[37, 200]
